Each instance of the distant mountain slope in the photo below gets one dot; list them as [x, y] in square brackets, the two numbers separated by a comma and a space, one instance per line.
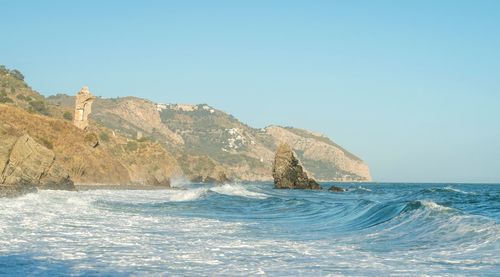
[207, 141]
[322, 157]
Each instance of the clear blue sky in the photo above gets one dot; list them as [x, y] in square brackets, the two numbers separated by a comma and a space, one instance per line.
[412, 87]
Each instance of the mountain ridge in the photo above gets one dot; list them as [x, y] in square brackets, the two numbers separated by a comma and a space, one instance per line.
[201, 141]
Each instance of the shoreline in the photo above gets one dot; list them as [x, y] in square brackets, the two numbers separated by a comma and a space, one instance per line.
[96, 186]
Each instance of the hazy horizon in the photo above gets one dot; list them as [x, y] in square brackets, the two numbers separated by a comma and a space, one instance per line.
[412, 89]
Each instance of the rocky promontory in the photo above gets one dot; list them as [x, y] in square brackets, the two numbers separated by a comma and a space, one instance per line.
[288, 173]
[26, 165]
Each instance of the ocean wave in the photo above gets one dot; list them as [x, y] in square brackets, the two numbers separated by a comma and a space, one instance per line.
[237, 190]
[180, 182]
[444, 190]
[187, 195]
[360, 189]
[363, 217]
[207, 230]
[426, 204]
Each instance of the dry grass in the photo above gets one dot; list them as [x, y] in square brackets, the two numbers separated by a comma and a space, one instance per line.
[108, 163]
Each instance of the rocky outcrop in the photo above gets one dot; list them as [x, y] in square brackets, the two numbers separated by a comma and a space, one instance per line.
[324, 159]
[222, 178]
[83, 108]
[24, 162]
[288, 173]
[158, 181]
[336, 189]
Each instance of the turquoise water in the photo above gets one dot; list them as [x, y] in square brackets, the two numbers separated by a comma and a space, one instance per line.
[253, 229]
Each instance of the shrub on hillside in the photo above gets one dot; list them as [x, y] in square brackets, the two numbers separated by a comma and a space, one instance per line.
[47, 143]
[92, 140]
[17, 74]
[104, 137]
[144, 139]
[67, 116]
[39, 107]
[131, 146]
[4, 98]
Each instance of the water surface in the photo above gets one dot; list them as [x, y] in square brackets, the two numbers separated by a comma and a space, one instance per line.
[252, 229]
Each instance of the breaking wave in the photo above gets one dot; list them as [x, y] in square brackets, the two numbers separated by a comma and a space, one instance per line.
[237, 190]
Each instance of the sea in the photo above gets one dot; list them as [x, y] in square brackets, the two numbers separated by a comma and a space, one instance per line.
[252, 229]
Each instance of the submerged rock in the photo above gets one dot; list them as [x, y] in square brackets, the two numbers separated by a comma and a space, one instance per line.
[336, 189]
[288, 173]
[27, 163]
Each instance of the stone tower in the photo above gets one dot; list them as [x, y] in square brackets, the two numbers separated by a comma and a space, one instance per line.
[83, 107]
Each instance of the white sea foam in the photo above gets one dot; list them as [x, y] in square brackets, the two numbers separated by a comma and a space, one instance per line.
[187, 195]
[363, 189]
[434, 206]
[448, 188]
[71, 233]
[237, 190]
[180, 182]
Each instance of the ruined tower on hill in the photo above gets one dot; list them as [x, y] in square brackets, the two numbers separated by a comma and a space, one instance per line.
[83, 107]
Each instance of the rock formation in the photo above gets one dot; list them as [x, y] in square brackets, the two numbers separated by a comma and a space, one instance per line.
[288, 173]
[324, 159]
[222, 178]
[336, 189]
[24, 164]
[83, 107]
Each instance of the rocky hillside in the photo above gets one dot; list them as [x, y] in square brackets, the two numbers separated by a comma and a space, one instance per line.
[97, 155]
[133, 140]
[207, 141]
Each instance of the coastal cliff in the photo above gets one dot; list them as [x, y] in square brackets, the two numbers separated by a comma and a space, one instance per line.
[205, 140]
[136, 141]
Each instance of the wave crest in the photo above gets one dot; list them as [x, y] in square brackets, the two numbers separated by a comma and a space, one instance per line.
[188, 195]
[237, 190]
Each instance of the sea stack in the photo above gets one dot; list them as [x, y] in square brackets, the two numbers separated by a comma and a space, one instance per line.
[83, 107]
[288, 173]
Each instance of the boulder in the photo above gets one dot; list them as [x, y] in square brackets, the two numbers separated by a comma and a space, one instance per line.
[29, 163]
[288, 173]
